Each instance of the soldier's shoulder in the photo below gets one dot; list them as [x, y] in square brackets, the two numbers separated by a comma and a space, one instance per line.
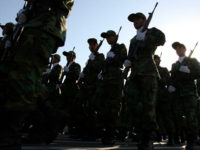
[156, 35]
[100, 55]
[192, 60]
[122, 46]
[77, 65]
[175, 63]
[163, 69]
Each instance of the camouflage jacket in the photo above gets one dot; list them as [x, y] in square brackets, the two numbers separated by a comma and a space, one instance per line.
[185, 82]
[141, 52]
[49, 16]
[72, 75]
[93, 68]
[112, 66]
[55, 75]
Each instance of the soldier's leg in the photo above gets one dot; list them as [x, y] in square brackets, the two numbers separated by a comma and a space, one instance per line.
[190, 105]
[20, 76]
[148, 119]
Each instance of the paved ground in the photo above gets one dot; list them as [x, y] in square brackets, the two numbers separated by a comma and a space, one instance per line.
[64, 143]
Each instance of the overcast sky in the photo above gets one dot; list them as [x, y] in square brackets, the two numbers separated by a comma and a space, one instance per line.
[178, 19]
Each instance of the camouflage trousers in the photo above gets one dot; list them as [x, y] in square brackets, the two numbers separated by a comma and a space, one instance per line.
[185, 115]
[107, 98]
[141, 101]
[21, 74]
[164, 112]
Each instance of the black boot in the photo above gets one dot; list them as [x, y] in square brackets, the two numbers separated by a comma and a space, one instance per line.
[190, 143]
[170, 141]
[146, 142]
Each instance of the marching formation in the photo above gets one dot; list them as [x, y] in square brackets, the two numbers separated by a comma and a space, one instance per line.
[125, 94]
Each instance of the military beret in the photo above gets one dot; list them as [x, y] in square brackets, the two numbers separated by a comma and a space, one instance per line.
[70, 53]
[178, 44]
[92, 40]
[133, 16]
[56, 56]
[108, 33]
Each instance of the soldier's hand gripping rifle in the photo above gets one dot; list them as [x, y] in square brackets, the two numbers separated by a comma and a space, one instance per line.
[133, 53]
[191, 52]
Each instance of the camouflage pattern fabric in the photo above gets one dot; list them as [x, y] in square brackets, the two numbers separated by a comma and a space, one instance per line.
[142, 85]
[164, 104]
[184, 98]
[109, 92]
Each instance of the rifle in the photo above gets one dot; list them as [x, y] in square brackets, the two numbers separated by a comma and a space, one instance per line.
[149, 19]
[133, 53]
[191, 52]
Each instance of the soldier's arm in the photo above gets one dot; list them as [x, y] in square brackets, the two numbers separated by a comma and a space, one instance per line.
[120, 56]
[195, 69]
[98, 64]
[74, 72]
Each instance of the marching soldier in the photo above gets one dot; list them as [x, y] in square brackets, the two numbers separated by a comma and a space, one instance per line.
[70, 88]
[54, 79]
[183, 87]
[163, 105]
[142, 85]
[44, 30]
[5, 42]
[89, 82]
[109, 92]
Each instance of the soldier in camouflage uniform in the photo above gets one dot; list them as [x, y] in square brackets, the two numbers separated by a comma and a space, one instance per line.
[89, 83]
[69, 88]
[183, 87]
[54, 79]
[163, 105]
[109, 92]
[142, 85]
[5, 42]
[44, 31]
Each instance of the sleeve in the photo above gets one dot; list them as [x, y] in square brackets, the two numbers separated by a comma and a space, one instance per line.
[56, 74]
[155, 37]
[120, 56]
[73, 73]
[195, 69]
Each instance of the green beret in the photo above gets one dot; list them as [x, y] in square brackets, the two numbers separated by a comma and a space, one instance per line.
[108, 33]
[92, 40]
[133, 16]
[70, 53]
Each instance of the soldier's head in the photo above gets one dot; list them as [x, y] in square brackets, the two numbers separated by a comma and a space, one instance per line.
[7, 28]
[180, 48]
[92, 44]
[138, 19]
[157, 60]
[56, 58]
[110, 36]
[71, 55]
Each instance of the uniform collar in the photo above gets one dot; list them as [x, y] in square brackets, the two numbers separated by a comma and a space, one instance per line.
[55, 65]
[181, 59]
[70, 63]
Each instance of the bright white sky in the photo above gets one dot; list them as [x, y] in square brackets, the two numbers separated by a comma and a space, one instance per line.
[178, 19]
